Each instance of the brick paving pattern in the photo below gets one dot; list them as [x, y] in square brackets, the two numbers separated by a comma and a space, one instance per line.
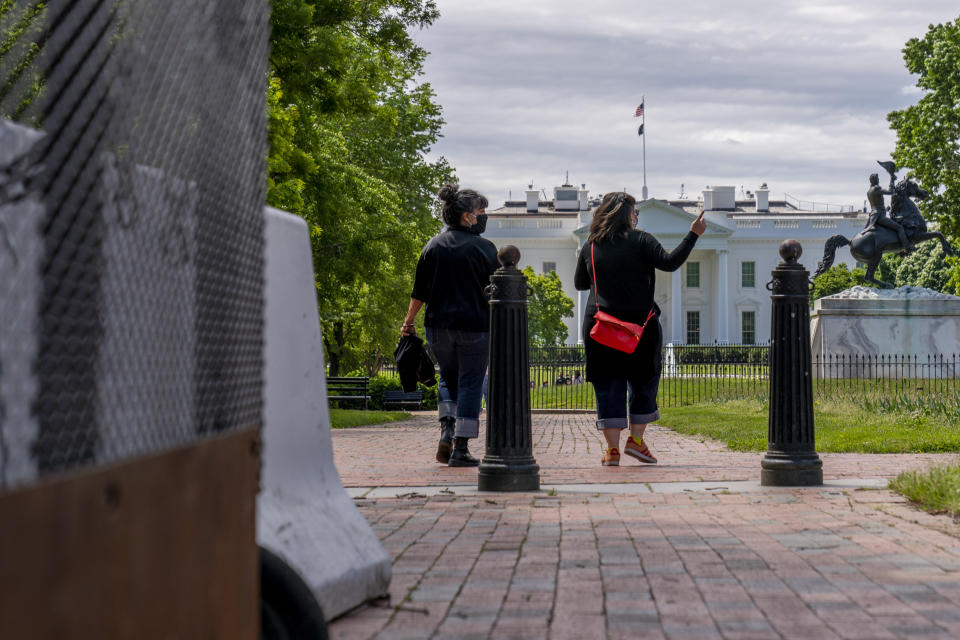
[795, 563]
[568, 449]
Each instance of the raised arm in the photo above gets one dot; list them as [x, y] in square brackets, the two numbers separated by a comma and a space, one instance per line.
[672, 261]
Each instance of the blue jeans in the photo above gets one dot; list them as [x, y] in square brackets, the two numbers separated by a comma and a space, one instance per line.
[462, 356]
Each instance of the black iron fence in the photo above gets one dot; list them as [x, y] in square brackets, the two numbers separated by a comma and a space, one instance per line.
[694, 374]
[888, 378]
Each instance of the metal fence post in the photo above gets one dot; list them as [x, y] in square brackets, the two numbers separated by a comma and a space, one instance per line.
[508, 464]
[791, 458]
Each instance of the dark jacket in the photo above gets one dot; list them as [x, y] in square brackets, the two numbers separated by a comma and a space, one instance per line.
[452, 272]
[413, 363]
[626, 276]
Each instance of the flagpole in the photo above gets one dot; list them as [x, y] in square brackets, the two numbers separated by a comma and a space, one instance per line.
[643, 101]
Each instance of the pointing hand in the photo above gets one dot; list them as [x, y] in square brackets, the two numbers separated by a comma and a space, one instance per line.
[698, 226]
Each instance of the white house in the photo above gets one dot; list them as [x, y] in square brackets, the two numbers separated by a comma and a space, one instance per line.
[719, 295]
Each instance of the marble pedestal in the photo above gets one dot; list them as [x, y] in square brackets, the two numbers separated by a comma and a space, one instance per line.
[907, 332]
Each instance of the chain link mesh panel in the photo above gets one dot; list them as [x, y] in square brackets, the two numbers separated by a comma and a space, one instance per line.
[132, 179]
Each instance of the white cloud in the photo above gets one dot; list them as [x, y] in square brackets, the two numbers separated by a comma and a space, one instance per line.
[790, 93]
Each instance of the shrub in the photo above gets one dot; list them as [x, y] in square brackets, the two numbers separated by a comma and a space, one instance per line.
[744, 354]
[381, 383]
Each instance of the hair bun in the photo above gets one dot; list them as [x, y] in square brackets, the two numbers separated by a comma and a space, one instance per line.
[448, 192]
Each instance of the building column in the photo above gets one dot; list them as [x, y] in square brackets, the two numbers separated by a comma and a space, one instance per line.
[676, 327]
[581, 299]
[581, 309]
[723, 298]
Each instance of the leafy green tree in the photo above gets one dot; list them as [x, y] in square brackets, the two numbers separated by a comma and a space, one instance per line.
[548, 306]
[926, 267]
[887, 269]
[836, 279]
[928, 133]
[350, 126]
[21, 81]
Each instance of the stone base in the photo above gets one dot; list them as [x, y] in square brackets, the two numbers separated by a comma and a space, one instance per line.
[508, 475]
[780, 470]
[910, 324]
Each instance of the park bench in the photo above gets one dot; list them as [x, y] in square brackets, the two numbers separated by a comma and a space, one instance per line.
[353, 388]
[402, 398]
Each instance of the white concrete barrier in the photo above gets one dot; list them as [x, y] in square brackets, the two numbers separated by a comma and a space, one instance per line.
[304, 515]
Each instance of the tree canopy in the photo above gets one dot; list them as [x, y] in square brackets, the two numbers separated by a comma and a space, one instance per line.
[350, 125]
[547, 307]
[928, 133]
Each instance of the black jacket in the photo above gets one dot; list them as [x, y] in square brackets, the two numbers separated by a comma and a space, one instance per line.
[413, 363]
[452, 272]
[626, 276]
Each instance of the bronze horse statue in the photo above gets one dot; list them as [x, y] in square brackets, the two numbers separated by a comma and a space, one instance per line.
[869, 245]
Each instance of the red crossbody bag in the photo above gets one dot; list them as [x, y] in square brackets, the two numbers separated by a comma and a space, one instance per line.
[613, 332]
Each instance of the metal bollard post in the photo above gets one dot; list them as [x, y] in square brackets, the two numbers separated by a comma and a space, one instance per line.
[508, 463]
[791, 458]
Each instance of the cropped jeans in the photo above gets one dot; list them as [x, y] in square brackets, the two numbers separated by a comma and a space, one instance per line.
[613, 397]
[462, 356]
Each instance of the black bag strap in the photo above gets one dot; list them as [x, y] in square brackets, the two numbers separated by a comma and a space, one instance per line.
[596, 294]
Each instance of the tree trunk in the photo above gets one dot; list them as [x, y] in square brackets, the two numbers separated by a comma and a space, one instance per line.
[334, 349]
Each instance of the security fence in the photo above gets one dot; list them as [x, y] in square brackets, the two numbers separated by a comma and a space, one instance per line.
[132, 182]
[694, 374]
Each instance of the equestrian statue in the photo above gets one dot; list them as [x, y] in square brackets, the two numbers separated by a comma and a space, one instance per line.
[899, 232]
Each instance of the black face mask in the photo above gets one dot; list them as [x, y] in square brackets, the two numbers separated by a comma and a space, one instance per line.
[481, 224]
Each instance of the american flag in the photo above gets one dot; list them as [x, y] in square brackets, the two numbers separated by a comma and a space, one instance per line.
[639, 111]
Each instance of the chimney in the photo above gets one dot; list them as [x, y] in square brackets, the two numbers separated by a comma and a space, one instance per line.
[707, 198]
[763, 198]
[584, 204]
[724, 198]
[533, 199]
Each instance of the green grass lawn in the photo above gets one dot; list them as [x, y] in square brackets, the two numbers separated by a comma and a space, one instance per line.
[841, 427]
[346, 418]
[937, 489]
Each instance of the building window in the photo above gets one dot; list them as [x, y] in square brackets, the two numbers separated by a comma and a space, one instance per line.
[748, 274]
[693, 274]
[549, 266]
[693, 327]
[748, 327]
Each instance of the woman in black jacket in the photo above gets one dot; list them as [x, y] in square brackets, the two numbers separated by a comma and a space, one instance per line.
[624, 259]
[452, 272]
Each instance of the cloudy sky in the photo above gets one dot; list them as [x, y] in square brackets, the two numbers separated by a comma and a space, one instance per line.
[789, 92]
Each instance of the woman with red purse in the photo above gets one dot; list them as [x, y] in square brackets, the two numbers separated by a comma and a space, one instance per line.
[621, 326]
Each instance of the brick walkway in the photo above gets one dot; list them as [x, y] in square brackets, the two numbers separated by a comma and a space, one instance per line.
[568, 449]
[812, 563]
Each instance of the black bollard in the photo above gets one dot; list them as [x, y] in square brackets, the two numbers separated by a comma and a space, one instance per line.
[508, 463]
[791, 458]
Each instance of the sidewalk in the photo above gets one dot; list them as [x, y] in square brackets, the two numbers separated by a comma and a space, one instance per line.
[718, 558]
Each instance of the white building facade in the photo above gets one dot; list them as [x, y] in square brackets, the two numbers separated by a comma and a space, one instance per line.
[719, 294]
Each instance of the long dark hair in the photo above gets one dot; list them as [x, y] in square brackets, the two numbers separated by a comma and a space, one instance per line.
[612, 217]
[456, 201]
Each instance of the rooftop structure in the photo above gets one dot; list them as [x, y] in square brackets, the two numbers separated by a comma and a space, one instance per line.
[718, 296]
